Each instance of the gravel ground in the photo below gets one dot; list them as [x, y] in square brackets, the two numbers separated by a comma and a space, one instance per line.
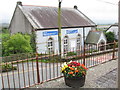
[101, 76]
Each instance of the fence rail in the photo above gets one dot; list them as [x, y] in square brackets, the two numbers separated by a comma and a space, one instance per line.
[25, 70]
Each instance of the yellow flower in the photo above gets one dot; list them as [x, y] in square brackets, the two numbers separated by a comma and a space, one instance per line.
[62, 69]
[66, 66]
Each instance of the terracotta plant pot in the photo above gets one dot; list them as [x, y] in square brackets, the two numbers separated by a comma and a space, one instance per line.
[75, 82]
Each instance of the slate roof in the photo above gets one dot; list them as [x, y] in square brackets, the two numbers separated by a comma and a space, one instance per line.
[113, 25]
[47, 17]
[93, 37]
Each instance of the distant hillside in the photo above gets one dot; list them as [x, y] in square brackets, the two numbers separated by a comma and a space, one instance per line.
[4, 25]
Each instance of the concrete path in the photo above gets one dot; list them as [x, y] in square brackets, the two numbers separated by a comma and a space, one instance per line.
[101, 76]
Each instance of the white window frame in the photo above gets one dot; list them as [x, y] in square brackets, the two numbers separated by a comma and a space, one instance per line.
[50, 45]
[78, 42]
[65, 44]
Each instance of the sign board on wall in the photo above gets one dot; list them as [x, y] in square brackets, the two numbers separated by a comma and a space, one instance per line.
[50, 33]
[71, 31]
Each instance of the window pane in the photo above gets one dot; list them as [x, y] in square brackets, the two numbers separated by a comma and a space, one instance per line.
[50, 45]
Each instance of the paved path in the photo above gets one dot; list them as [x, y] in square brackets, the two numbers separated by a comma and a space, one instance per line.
[108, 80]
[101, 76]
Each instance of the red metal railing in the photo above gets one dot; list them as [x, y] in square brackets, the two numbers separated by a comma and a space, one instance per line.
[32, 70]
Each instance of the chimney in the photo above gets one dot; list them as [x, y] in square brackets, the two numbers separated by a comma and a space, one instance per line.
[19, 3]
[75, 7]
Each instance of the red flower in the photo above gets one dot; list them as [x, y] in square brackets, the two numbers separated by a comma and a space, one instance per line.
[74, 62]
[84, 66]
[78, 64]
[69, 65]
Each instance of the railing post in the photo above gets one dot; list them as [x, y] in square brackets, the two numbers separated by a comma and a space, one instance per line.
[113, 57]
[84, 45]
[37, 67]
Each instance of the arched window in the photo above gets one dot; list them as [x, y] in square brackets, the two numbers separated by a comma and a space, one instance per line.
[102, 45]
[50, 46]
[65, 44]
[78, 42]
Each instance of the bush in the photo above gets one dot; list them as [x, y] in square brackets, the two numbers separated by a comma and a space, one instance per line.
[5, 35]
[32, 41]
[71, 53]
[8, 67]
[110, 37]
[15, 57]
[91, 51]
[17, 43]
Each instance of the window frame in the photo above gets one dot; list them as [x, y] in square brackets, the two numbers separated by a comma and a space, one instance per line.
[50, 45]
[78, 43]
[65, 44]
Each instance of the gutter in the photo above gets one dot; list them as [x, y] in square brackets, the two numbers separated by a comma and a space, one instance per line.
[65, 27]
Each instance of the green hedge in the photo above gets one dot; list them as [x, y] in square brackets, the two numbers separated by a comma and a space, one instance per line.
[8, 67]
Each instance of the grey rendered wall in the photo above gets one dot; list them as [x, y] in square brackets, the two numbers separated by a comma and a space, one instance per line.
[19, 23]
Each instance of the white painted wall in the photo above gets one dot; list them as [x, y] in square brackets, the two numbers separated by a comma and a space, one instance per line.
[42, 40]
[102, 37]
[114, 29]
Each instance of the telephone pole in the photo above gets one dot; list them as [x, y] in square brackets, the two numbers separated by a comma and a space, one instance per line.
[59, 25]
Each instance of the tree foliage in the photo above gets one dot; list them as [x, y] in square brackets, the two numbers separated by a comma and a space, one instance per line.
[110, 37]
[32, 41]
[5, 30]
[18, 43]
[5, 35]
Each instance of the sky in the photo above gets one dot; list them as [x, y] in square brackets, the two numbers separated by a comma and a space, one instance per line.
[99, 11]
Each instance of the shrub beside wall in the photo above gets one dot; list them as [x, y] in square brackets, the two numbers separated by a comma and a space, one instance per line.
[17, 43]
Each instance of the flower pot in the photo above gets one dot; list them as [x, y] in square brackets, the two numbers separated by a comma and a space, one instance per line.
[75, 82]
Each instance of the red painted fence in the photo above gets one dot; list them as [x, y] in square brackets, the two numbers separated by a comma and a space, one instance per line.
[25, 70]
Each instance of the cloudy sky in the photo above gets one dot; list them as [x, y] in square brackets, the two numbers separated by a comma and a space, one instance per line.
[100, 11]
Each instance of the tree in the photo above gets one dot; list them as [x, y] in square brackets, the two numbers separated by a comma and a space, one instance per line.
[18, 43]
[4, 35]
[110, 37]
[33, 43]
[5, 30]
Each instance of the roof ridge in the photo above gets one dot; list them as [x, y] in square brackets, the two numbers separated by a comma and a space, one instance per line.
[38, 6]
[47, 6]
[44, 18]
